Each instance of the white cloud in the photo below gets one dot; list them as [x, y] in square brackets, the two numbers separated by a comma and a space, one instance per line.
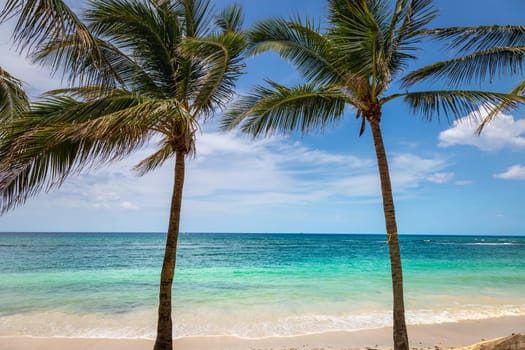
[246, 172]
[237, 170]
[235, 174]
[503, 132]
[515, 172]
[410, 171]
[441, 178]
[129, 205]
[463, 182]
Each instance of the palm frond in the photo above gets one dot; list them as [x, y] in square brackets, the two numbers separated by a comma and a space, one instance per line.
[406, 30]
[278, 108]
[35, 154]
[196, 17]
[359, 12]
[358, 33]
[42, 165]
[313, 54]
[231, 19]
[418, 14]
[83, 93]
[13, 99]
[119, 127]
[61, 136]
[480, 38]
[502, 106]
[111, 68]
[140, 30]
[40, 22]
[60, 107]
[399, 13]
[221, 57]
[157, 159]
[477, 66]
[454, 104]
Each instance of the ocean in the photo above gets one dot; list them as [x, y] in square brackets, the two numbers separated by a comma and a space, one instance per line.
[250, 285]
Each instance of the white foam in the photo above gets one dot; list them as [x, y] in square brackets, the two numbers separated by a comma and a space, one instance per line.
[504, 243]
[480, 243]
[245, 325]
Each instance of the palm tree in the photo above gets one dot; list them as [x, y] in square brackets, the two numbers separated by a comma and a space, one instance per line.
[148, 71]
[482, 53]
[364, 50]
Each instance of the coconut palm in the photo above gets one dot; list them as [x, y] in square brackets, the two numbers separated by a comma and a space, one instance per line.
[482, 53]
[355, 62]
[149, 71]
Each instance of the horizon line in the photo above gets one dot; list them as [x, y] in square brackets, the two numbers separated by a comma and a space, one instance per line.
[282, 233]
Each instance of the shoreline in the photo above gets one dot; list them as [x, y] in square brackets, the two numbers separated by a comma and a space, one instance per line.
[442, 336]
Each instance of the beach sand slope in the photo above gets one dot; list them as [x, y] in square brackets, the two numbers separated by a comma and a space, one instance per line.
[457, 335]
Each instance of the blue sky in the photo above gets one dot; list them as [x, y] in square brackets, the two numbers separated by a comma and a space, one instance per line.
[445, 180]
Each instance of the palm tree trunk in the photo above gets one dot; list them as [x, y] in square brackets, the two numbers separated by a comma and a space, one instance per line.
[164, 339]
[400, 329]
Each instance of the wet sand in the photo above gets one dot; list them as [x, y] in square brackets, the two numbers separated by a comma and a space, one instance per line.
[437, 336]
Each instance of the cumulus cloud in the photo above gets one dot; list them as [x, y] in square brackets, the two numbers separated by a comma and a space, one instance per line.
[515, 172]
[503, 132]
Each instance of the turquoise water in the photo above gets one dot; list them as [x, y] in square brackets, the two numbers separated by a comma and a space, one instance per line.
[249, 285]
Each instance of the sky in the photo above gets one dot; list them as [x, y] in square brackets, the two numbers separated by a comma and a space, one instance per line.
[445, 179]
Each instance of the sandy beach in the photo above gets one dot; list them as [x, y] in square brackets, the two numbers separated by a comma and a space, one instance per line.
[438, 336]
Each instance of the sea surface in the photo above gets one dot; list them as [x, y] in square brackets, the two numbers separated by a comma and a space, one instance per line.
[249, 285]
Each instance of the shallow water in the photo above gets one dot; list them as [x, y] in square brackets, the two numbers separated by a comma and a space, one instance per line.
[249, 285]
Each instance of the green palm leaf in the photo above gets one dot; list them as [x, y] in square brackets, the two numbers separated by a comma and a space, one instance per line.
[458, 103]
[300, 42]
[503, 106]
[46, 23]
[222, 54]
[278, 108]
[481, 37]
[230, 19]
[196, 17]
[359, 32]
[13, 99]
[36, 155]
[477, 66]
[485, 52]
[138, 27]
[157, 159]
[61, 136]
[42, 20]
[406, 28]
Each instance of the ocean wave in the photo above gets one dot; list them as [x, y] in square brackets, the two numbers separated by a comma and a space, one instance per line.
[249, 325]
[504, 243]
[480, 243]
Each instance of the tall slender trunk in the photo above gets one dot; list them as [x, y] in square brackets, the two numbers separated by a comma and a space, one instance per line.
[400, 329]
[164, 339]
